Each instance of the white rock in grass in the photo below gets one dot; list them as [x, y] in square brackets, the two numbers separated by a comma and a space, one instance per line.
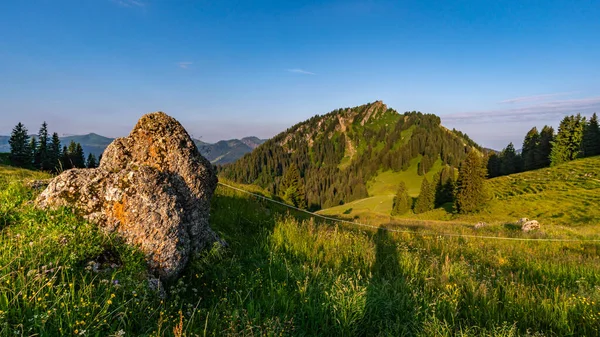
[530, 225]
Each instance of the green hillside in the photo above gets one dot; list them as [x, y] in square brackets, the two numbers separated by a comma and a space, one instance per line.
[564, 195]
[339, 153]
[286, 275]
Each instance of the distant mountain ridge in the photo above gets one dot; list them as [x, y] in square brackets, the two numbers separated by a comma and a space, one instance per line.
[219, 153]
[336, 154]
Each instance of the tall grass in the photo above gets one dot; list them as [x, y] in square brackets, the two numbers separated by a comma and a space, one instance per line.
[285, 274]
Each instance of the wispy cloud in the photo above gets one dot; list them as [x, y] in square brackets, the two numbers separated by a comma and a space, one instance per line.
[130, 3]
[535, 98]
[300, 71]
[184, 65]
[549, 110]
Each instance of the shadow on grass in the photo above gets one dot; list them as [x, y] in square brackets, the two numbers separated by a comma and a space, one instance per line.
[390, 307]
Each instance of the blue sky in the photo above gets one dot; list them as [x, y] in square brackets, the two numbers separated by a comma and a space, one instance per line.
[228, 69]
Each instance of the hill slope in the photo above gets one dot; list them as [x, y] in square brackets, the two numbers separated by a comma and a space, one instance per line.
[283, 276]
[564, 195]
[338, 153]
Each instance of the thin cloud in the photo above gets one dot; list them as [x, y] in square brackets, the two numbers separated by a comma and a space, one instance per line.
[534, 98]
[300, 71]
[130, 3]
[541, 111]
[184, 65]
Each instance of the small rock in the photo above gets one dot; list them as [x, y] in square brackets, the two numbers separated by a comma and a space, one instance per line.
[530, 225]
[156, 285]
[480, 224]
[522, 221]
[38, 184]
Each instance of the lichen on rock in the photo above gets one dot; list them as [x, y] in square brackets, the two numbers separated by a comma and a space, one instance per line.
[152, 188]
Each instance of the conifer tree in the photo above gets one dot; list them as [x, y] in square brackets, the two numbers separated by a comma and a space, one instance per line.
[591, 138]
[293, 188]
[91, 161]
[471, 193]
[402, 201]
[79, 157]
[426, 199]
[494, 164]
[66, 161]
[568, 142]
[445, 185]
[20, 152]
[54, 154]
[511, 161]
[33, 145]
[42, 153]
[545, 148]
[531, 150]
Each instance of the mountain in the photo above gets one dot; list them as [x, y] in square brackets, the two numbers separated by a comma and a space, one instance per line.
[338, 153]
[91, 143]
[222, 152]
[228, 151]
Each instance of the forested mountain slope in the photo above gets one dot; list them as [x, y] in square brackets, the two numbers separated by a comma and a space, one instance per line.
[337, 153]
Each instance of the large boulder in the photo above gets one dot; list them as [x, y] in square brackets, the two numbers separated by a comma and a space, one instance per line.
[153, 188]
[530, 226]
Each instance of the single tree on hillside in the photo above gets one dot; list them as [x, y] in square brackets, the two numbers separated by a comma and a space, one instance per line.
[65, 159]
[293, 187]
[545, 148]
[91, 161]
[531, 150]
[426, 199]
[591, 138]
[33, 145]
[445, 185]
[568, 143]
[511, 161]
[471, 193]
[494, 164]
[402, 201]
[79, 157]
[20, 153]
[54, 153]
[42, 158]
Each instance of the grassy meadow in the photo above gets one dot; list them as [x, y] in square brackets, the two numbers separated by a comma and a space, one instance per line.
[286, 274]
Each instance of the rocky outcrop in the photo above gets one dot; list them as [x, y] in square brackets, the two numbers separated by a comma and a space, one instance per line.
[153, 188]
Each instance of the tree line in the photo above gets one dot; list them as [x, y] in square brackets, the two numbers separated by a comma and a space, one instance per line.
[467, 191]
[45, 153]
[577, 137]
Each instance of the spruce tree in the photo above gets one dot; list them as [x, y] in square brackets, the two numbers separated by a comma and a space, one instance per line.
[66, 161]
[293, 188]
[54, 153]
[591, 138]
[471, 193]
[426, 199]
[545, 148]
[511, 161]
[402, 201]
[91, 161]
[494, 164]
[531, 150]
[568, 143]
[445, 185]
[33, 147]
[79, 157]
[42, 155]
[20, 153]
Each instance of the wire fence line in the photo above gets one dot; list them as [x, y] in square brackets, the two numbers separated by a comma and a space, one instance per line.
[398, 230]
[358, 224]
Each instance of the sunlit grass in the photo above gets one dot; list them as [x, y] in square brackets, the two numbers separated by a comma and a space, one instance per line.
[284, 274]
